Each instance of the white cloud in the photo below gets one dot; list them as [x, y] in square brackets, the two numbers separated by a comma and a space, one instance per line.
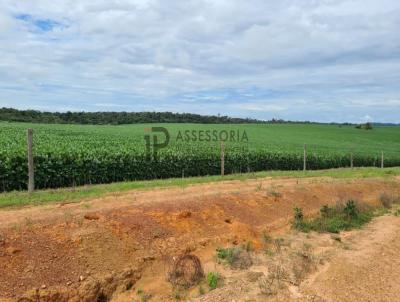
[367, 118]
[142, 55]
[260, 107]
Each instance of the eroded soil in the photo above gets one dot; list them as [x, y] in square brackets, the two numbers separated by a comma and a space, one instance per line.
[109, 248]
[363, 266]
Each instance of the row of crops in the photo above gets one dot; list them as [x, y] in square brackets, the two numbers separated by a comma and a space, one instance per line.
[66, 171]
[68, 156]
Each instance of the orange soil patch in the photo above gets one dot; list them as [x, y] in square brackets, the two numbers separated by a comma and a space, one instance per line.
[107, 246]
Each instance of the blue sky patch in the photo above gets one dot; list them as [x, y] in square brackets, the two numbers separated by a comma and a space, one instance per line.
[40, 24]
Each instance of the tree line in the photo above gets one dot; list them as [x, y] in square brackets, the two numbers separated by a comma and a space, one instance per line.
[121, 118]
[115, 118]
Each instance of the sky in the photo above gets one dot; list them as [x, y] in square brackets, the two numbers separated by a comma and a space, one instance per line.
[318, 60]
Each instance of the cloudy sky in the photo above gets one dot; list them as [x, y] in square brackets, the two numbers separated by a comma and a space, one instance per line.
[321, 60]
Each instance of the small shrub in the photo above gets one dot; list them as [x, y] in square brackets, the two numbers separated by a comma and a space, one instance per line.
[224, 253]
[274, 194]
[299, 222]
[351, 209]
[267, 286]
[212, 280]
[326, 211]
[303, 263]
[270, 284]
[302, 266]
[228, 254]
[267, 239]
[236, 257]
[298, 214]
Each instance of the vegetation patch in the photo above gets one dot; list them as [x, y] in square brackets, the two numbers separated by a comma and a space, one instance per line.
[333, 219]
[236, 257]
[275, 280]
[303, 264]
[213, 280]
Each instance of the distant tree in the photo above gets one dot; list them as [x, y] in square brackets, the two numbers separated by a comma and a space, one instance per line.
[366, 126]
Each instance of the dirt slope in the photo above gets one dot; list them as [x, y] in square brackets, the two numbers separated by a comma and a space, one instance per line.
[105, 249]
[363, 267]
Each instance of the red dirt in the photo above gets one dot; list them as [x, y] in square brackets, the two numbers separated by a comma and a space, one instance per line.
[109, 245]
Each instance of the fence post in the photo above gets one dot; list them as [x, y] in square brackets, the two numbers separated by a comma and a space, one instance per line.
[222, 158]
[31, 176]
[382, 161]
[351, 160]
[305, 158]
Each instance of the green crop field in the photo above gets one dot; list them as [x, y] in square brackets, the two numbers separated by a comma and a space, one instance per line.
[72, 155]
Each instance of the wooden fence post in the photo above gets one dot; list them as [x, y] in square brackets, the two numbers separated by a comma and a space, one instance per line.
[31, 175]
[222, 158]
[382, 161]
[351, 160]
[305, 158]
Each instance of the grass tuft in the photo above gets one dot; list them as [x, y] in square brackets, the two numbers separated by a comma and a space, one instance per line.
[236, 257]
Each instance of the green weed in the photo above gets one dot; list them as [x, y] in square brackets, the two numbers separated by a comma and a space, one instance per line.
[212, 280]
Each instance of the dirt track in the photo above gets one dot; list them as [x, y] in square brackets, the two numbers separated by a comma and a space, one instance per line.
[368, 270]
[111, 246]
